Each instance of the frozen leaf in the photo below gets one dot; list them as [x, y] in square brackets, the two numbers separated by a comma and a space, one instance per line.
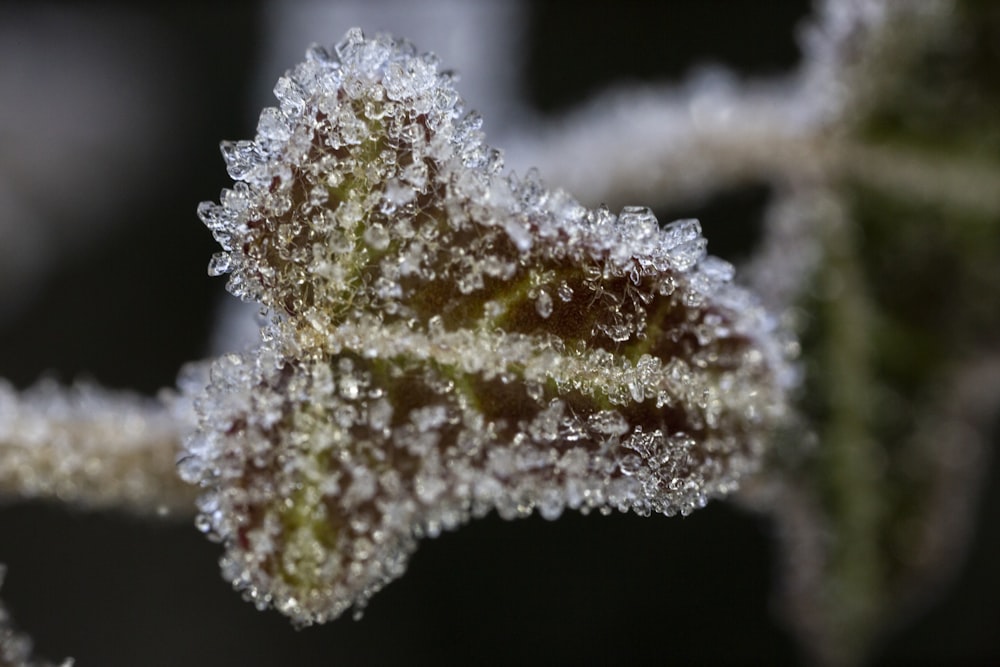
[417, 370]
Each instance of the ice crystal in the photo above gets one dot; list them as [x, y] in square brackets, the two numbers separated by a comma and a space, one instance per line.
[445, 341]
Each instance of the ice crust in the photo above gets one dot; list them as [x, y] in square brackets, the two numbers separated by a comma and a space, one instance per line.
[445, 340]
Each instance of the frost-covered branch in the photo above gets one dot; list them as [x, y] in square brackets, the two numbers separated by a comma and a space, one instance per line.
[90, 447]
[679, 145]
[664, 146]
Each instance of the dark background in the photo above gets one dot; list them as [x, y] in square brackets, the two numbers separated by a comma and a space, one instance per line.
[112, 590]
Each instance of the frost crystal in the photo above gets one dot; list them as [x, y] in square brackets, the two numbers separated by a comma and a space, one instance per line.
[446, 341]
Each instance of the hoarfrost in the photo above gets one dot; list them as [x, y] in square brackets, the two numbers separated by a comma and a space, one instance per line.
[419, 371]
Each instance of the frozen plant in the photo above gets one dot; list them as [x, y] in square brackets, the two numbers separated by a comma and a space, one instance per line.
[446, 340]
[442, 339]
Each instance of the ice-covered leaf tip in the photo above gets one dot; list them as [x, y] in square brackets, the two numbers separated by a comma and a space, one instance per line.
[445, 341]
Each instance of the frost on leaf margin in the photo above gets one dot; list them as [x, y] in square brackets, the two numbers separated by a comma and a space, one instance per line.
[446, 341]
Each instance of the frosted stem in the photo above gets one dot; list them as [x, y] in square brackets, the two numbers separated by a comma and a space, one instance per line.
[959, 182]
[90, 447]
[674, 144]
[657, 147]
